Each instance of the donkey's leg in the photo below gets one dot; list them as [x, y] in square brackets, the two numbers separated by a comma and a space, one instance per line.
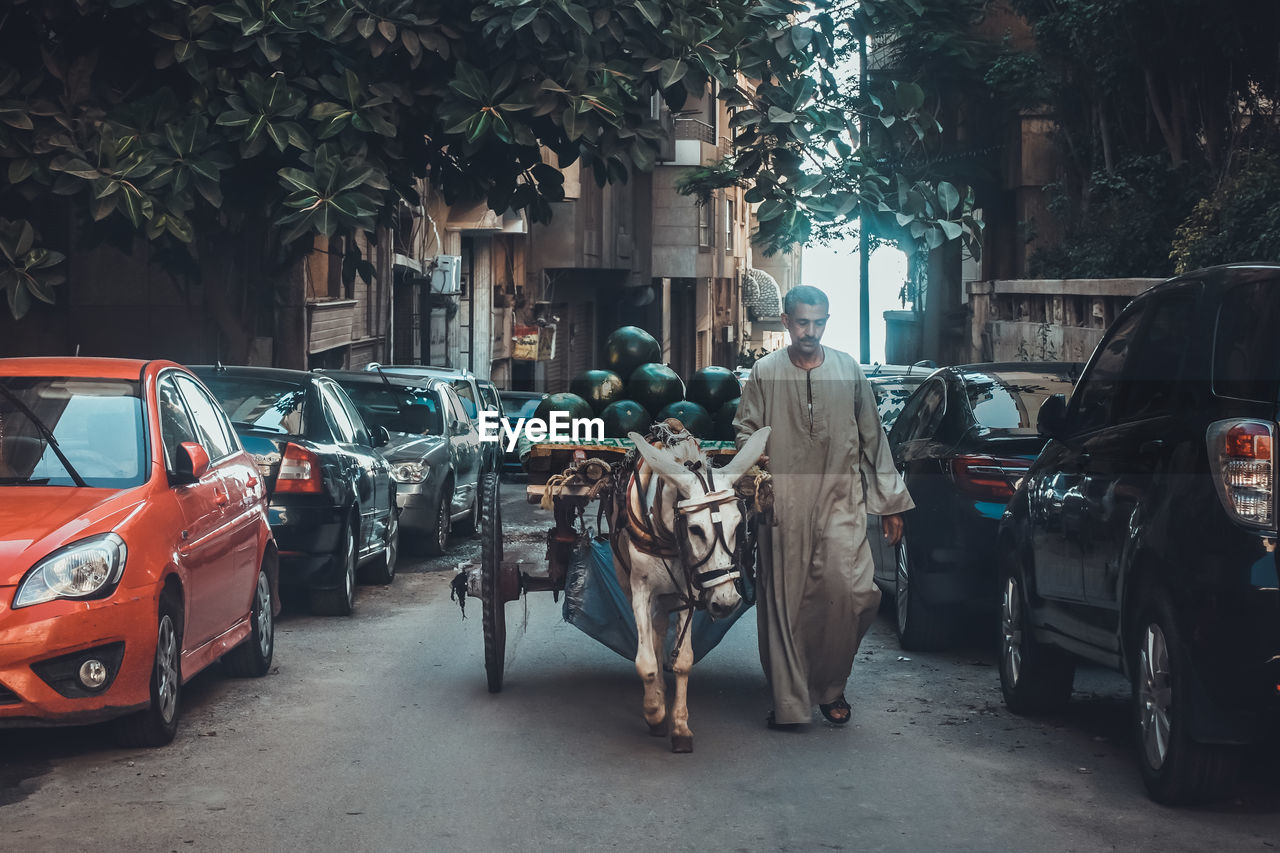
[681, 736]
[660, 647]
[655, 706]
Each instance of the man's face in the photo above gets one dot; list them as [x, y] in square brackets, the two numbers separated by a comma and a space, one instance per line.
[806, 325]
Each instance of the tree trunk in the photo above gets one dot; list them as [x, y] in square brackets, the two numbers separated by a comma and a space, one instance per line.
[291, 317]
[1104, 131]
[1172, 140]
[224, 289]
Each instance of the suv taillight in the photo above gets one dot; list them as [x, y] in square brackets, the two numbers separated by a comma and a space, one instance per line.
[300, 471]
[988, 477]
[1241, 453]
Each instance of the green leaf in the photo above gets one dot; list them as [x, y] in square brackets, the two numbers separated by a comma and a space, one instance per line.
[580, 17]
[952, 230]
[19, 301]
[21, 169]
[523, 16]
[574, 124]
[26, 236]
[73, 166]
[949, 197]
[801, 36]
[777, 115]
[673, 71]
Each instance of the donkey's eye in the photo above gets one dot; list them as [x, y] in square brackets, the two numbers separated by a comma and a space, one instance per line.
[696, 529]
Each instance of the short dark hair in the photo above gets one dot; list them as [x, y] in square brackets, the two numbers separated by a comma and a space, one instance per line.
[806, 293]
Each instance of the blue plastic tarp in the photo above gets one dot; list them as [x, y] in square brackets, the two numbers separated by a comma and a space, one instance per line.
[596, 605]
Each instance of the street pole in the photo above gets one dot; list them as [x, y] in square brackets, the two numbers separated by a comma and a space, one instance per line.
[864, 249]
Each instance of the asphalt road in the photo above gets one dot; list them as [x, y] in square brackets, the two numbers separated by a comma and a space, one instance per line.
[377, 733]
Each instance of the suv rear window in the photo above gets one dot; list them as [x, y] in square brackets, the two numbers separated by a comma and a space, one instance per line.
[1246, 357]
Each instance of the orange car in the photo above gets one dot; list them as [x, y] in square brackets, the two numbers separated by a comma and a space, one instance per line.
[134, 545]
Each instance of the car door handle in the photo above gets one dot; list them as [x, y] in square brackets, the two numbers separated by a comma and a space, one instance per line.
[1150, 448]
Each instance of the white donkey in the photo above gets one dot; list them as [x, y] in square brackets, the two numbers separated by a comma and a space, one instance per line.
[673, 538]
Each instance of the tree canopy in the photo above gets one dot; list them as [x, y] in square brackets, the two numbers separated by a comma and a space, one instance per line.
[177, 119]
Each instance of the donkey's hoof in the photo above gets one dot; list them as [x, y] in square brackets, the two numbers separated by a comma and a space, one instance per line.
[660, 729]
[682, 743]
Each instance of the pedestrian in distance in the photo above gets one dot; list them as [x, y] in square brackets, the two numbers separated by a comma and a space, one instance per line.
[831, 465]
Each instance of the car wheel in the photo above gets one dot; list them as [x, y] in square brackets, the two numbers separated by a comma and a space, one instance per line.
[1175, 768]
[158, 722]
[252, 658]
[1034, 678]
[383, 568]
[470, 526]
[438, 539]
[921, 626]
[340, 601]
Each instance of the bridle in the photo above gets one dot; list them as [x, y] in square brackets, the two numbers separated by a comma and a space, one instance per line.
[713, 499]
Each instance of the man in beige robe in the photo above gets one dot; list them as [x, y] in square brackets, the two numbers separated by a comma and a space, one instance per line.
[831, 464]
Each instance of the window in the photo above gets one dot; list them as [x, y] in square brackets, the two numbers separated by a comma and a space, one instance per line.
[1099, 386]
[1151, 379]
[260, 404]
[344, 431]
[706, 223]
[208, 419]
[1246, 357]
[922, 415]
[360, 428]
[729, 219]
[175, 422]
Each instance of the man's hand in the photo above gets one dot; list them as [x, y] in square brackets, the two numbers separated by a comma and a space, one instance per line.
[892, 527]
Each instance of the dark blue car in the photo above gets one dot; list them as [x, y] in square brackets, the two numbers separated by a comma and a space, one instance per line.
[965, 438]
[332, 502]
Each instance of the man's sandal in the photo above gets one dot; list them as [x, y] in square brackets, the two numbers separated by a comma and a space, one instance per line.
[831, 709]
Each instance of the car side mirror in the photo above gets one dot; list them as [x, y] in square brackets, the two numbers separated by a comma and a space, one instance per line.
[381, 437]
[1051, 422]
[191, 463]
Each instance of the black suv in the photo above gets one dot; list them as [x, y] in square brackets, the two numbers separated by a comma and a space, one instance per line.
[1144, 535]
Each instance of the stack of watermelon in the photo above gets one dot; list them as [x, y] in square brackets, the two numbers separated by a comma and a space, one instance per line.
[635, 389]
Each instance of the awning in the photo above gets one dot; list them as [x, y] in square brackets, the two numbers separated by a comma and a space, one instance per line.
[761, 296]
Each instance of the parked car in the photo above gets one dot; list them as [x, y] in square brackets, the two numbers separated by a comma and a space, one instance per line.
[471, 390]
[963, 441]
[134, 545]
[435, 451]
[331, 497]
[1144, 536]
[516, 405]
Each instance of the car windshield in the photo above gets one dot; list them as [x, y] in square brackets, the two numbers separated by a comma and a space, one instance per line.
[262, 404]
[1011, 401]
[403, 410]
[97, 423]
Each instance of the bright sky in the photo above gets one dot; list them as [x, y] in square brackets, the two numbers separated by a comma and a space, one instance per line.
[834, 269]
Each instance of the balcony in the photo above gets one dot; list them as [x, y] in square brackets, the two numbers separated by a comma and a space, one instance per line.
[329, 323]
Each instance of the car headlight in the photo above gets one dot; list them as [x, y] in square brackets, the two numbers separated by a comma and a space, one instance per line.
[409, 472]
[90, 568]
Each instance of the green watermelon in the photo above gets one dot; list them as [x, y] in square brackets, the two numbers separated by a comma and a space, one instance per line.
[623, 417]
[724, 420]
[694, 417]
[628, 348]
[598, 387]
[712, 387]
[571, 403]
[654, 385]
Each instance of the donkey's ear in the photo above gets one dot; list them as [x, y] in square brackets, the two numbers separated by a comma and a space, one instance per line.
[747, 456]
[664, 463]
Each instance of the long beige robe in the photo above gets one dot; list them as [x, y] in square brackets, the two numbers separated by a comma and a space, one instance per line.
[831, 464]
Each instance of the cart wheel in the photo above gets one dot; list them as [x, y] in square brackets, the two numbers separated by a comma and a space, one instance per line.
[491, 593]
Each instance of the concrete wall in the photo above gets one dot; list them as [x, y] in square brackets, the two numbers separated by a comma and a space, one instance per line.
[1045, 319]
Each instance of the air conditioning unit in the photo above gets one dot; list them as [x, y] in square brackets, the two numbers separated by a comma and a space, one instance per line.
[446, 274]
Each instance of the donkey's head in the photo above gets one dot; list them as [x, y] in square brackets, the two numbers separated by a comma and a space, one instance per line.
[707, 514]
